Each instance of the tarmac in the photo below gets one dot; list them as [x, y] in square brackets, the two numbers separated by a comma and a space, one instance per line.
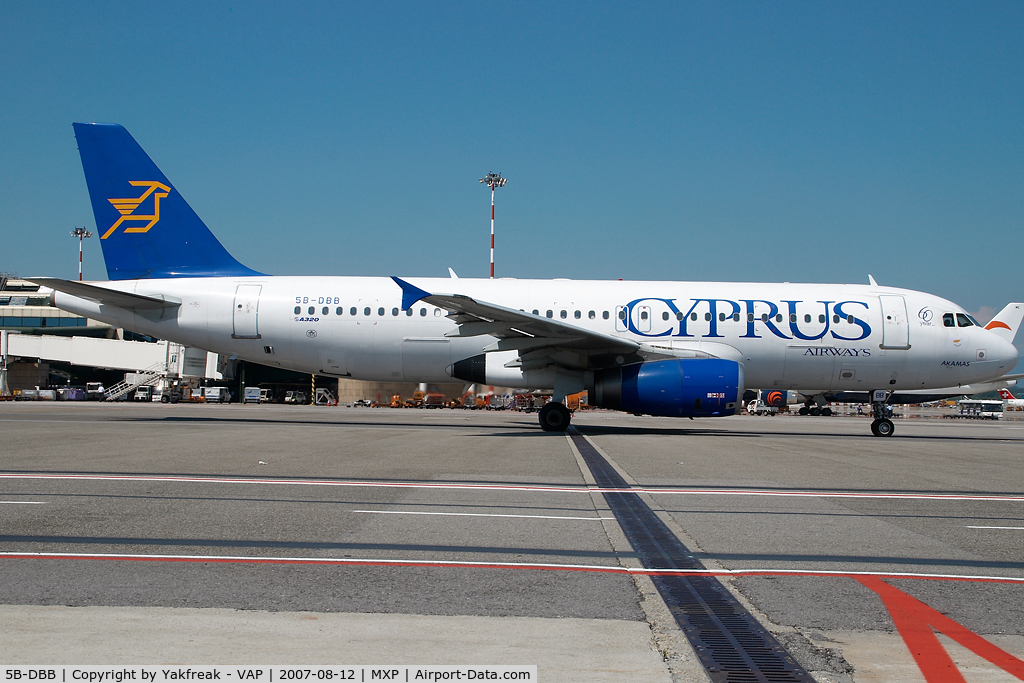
[229, 534]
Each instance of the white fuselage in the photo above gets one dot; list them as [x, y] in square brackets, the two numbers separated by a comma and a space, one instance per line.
[787, 336]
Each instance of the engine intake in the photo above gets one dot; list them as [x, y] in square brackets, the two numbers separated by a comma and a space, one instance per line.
[688, 387]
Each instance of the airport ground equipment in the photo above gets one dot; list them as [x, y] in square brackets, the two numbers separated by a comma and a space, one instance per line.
[979, 409]
[683, 349]
[148, 377]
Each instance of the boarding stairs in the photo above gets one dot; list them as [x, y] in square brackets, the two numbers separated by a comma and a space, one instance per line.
[146, 378]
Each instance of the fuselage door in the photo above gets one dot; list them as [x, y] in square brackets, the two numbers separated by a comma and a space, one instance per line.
[245, 312]
[895, 329]
[620, 318]
[643, 318]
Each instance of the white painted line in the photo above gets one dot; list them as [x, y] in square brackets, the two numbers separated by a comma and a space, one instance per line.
[778, 493]
[22, 502]
[1015, 528]
[475, 514]
[616, 569]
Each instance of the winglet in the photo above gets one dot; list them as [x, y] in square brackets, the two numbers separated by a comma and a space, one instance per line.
[410, 293]
[871, 281]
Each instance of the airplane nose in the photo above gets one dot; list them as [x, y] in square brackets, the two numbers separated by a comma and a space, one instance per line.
[1005, 353]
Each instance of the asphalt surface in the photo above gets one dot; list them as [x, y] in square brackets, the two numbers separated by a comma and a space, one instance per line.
[445, 508]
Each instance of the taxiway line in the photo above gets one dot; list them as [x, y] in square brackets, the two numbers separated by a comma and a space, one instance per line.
[448, 564]
[520, 487]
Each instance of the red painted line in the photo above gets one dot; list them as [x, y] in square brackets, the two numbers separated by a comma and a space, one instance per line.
[915, 621]
[513, 487]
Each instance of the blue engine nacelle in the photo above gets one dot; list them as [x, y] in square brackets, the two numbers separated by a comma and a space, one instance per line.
[690, 387]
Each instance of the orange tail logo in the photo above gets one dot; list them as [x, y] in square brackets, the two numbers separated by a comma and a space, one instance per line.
[126, 206]
[997, 323]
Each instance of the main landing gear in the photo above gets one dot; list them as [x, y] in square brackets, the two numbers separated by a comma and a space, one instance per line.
[554, 417]
[881, 425]
[815, 410]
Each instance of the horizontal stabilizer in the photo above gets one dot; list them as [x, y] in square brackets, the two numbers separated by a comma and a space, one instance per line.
[102, 295]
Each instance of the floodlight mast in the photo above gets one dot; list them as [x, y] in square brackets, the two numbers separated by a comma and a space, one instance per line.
[493, 180]
[81, 233]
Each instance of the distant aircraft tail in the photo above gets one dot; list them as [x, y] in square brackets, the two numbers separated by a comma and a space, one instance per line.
[1007, 321]
[146, 229]
[1006, 395]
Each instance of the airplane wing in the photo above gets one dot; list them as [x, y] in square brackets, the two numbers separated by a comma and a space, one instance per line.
[102, 295]
[536, 337]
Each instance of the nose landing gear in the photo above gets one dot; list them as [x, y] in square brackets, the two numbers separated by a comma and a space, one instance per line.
[881, 425]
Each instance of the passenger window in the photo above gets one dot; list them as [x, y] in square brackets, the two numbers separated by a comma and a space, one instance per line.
[592, 315]
[679, 315]
[622, 314]
[721, 317]
[340, 311]
[352, 311]
[849, 319]
[764, 317]
[408, 311]
[821, 318]
[562, 314]
[577, 315]
[707, 316]
[366, 311]
[604, 315]
[423, 312]
[380, 311]
[735, 317]
[664, 316]
[835, 319]
[963, 321]
[643, 315]
[550, 313]
[807, 318]
[536, 312]
[394, 311]
[750, 317]
[298, 309]
[326, 311]
[778, 318]
[693, 316]
[792, 317]
[312, 310]
[437, 312]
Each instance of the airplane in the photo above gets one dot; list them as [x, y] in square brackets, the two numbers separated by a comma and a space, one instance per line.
[1010, 401]
[682, 349]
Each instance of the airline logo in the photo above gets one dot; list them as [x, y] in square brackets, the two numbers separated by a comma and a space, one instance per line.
[1006, 394]
[775, 398]
[997, 323]
[127, 207]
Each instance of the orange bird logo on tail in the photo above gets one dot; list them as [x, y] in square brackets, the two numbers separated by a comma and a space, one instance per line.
[126, 206]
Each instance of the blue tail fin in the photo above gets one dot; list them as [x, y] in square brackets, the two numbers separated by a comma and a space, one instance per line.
[147, 230]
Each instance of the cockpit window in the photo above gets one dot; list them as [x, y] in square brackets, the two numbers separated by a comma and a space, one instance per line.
[963, 320]
[947, 320]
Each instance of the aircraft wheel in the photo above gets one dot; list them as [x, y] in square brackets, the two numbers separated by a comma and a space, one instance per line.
[826, 412]
[804, 410]
[815, 411]
[554, 417]
[882, 427]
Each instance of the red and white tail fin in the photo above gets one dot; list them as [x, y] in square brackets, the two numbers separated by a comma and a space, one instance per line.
[1006, 395]
[1007, 321]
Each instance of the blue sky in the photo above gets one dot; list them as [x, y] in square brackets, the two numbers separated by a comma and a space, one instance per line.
[722, 141]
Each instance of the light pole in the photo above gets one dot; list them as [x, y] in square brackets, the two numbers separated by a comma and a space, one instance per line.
[493, 180]
[81, 234]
